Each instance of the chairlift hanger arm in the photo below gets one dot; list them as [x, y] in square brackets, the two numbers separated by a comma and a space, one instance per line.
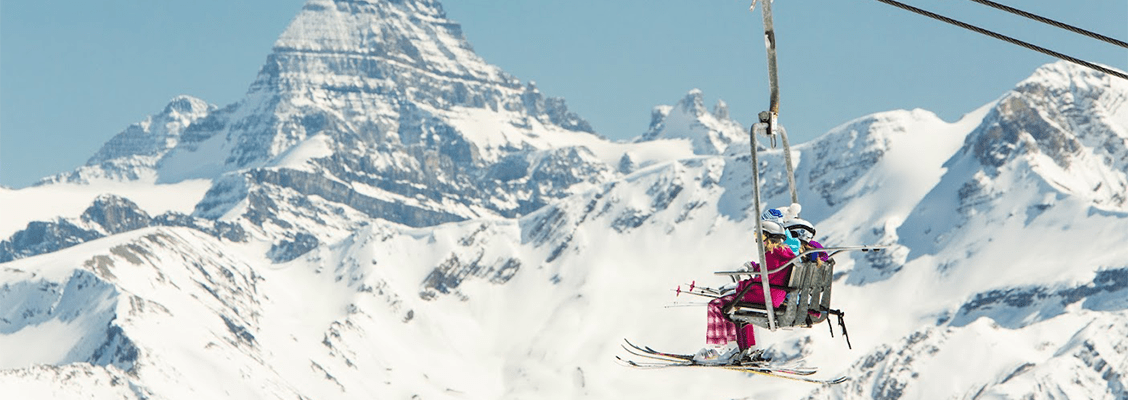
[770, 45]
[760, 250]
[771, 117]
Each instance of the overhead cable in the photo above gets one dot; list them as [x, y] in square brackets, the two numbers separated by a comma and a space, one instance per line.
[1005, 38]
[1061, 25]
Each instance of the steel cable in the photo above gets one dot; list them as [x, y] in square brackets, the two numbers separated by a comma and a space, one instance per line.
[1061, 25]
[1005, 38]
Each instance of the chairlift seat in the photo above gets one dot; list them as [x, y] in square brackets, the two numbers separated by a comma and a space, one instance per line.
[807, 302]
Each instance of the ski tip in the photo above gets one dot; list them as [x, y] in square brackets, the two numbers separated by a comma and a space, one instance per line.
[627, 363]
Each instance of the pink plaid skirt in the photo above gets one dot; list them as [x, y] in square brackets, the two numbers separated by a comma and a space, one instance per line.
[719, 330]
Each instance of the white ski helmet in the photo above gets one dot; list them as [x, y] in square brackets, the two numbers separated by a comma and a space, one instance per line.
[800, 229]
[772, 228]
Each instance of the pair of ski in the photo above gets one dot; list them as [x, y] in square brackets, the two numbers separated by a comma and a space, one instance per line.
[670, 360]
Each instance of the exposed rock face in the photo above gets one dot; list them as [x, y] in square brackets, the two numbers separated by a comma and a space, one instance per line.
[44, 237]
[108, 215]
[1068, 122]
[380, 107]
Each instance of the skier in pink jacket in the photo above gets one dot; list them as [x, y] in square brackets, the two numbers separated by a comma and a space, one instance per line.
[722, 333]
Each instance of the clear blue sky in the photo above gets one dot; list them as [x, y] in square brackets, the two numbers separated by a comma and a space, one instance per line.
[75, 73]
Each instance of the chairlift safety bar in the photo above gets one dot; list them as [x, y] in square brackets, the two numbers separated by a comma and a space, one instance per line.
[832, 250]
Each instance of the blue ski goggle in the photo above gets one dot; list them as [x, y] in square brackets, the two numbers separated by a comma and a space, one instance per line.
[802, 234]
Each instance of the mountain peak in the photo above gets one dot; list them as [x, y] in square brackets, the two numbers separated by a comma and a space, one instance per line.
[1066, 74]
[693, 103]
[721, 110]
[1062, 133]
[1070, 124]
[710, 133]
[373, 72]
[156, 134]
[187, 106]
[134, 153]
[413, 33]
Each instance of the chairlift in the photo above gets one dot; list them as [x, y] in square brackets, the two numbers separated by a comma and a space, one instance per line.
[809, 284]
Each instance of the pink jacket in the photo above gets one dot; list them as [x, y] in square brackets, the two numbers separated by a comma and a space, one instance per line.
[774, 259]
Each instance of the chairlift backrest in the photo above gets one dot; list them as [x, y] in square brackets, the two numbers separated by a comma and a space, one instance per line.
[807, 303]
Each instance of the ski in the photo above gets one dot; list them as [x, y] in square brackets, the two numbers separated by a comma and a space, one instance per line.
[790, 367]
[647, 349]
[652, 356]
[666, 363]
[834, 381]
[739, 368]
[673, 359]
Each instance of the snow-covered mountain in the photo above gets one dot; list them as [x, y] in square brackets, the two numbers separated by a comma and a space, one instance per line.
[386, 215]
[133, 154]
[709, 132]
[1017, 255]
[384, 108]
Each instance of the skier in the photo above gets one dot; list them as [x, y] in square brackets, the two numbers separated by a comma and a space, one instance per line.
[804, 232]
[727, 342]
[782, 216]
